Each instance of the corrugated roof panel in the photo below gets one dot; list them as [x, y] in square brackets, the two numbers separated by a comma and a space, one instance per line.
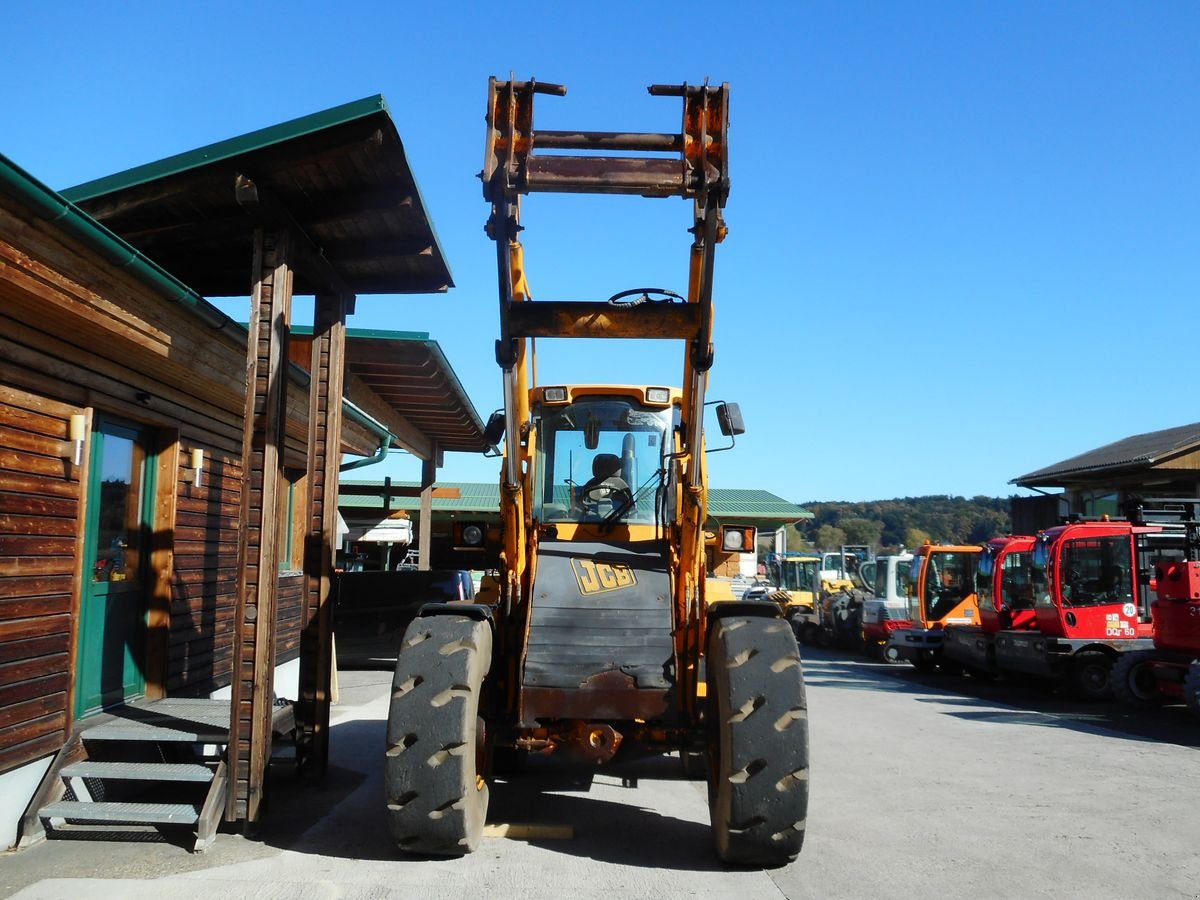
[1137, 451]
[484, 498]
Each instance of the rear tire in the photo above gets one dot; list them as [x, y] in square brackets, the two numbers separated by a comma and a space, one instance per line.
[1132, 679]
[758, 786]
[1191, 689]
[1091, 676]
[891, 655]
[436, 797]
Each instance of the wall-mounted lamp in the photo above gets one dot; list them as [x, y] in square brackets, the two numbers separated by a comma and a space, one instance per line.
[78, 434]
[198, 467]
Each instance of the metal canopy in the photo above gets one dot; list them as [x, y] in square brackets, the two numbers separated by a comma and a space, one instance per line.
[410, 373]
[341, 175]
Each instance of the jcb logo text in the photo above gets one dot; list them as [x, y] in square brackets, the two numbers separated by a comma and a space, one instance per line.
[598, 577]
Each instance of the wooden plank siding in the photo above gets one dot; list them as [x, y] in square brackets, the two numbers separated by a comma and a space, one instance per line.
[80, 336]
[39, 513]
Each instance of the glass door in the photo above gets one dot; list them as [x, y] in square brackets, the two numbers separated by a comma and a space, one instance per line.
[112, 627]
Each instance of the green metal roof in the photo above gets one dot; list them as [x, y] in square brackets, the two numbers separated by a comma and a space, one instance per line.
[379, 333]
[723, 503]
[341, 175]
[227, 149]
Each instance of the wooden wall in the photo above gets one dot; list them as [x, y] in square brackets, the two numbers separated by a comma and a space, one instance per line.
[78, 336]
[39, 509]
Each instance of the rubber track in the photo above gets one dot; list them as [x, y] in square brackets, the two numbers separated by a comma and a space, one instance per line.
[436, 806]
[758, 797]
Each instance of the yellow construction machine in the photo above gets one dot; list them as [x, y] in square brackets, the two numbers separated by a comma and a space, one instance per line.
[596, 638]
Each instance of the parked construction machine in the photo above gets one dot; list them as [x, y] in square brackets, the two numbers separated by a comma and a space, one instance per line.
[886, 611]
[1171, 670]
[595, 641]
[1006, 585]
[941, 592]
[1090, 587]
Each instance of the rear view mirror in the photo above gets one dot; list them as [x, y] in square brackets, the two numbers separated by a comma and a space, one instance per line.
[493, 432]
[591, 433]
[729, 418]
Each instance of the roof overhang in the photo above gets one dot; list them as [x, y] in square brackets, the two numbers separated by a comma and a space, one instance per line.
[341, 177]
[410, 375]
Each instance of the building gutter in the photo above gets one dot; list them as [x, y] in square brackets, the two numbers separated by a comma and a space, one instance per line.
[50, 206]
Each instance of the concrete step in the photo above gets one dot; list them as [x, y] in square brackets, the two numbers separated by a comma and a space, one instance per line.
[114, 813]
[143, 771]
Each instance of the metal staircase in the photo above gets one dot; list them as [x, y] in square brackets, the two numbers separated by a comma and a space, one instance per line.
[150, 770]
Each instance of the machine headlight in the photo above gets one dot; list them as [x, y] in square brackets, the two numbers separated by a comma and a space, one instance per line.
[555, 395]
[658, 395]
[472, 535]
[738, 538]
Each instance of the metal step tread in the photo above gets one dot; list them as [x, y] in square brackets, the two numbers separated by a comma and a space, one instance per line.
[107, 813]
[139, 771]
[130, 731]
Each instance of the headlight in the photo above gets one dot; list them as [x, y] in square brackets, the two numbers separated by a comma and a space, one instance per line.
[469, 535]
[658, 395]
[738, 538]
[555, 395]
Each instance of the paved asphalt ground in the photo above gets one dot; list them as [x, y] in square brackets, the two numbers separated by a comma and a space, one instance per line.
[922, 786]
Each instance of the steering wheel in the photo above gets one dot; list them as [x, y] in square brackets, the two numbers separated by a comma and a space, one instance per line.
[644, 295]
[611, 490]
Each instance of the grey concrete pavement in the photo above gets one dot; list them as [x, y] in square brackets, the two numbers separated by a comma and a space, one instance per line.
[920, 787]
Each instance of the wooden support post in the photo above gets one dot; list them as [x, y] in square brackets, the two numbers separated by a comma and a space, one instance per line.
[429, 469]
[324, 458]
[258, 545]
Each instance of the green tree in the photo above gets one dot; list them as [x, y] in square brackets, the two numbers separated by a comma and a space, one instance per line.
[830, 537]
[862, 531]
[915, 537]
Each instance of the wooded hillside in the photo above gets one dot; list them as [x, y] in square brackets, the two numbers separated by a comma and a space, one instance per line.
[907, 521]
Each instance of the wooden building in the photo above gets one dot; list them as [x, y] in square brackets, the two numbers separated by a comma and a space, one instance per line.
[162, 527]
[1099, 482]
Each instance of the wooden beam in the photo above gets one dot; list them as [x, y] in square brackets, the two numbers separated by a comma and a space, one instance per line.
[268, 212]
[258, 547]
[429, 469]
[316, 636]
[390, 490]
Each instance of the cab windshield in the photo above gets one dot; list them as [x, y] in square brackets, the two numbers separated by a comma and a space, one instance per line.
[902, 580]
[1096, 571]
[1020, 581]
[949, 580]
[599, 460]
[798, 574]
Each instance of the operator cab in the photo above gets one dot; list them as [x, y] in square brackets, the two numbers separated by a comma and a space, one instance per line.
[942, 584]
[603, 459]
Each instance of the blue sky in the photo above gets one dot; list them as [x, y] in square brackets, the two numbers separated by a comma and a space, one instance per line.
[963, 236]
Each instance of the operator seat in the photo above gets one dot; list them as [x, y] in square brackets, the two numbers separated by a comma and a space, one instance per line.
[606, 482]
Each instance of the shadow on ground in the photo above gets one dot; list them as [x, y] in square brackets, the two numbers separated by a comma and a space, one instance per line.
[1002, 702]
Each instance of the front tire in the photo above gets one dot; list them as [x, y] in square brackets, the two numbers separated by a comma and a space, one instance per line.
[758, 786]
[1091, 676]
[436, 797]
[1132, 679]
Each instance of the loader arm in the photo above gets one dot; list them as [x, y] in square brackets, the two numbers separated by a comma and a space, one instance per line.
[699, 170]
